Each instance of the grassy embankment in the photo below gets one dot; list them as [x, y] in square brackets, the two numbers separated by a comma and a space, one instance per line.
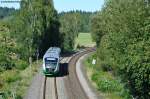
[14, 83]
[109, 86]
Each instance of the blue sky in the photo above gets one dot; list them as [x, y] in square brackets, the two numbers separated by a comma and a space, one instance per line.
[86, 5]
[10, 5]
[67, 5]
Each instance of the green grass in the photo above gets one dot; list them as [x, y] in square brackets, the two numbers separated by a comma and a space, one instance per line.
[17, 81]
[108, 85]
[85, 39]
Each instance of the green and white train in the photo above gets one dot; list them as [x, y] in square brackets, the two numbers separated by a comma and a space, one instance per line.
[51, 61]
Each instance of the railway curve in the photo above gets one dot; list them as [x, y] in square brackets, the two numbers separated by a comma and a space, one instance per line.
[64, 86]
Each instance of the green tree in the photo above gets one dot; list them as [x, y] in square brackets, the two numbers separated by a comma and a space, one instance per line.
[122, 31]
[69, 29]
[7, 49]
[37, 27]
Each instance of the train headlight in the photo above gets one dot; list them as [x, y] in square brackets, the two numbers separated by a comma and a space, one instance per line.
[44, 67]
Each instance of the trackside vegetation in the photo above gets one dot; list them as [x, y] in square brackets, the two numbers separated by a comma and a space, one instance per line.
[108, 85]
[14, 83]
[121, 30]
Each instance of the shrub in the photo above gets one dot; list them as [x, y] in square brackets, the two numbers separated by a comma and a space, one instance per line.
[106, 67]
[106, 83]
[10, 76]
[21, 65]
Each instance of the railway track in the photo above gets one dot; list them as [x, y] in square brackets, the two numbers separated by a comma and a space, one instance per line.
[50, 90]
[55, 88]
[47, 93]
[73, 85]
[64, 86]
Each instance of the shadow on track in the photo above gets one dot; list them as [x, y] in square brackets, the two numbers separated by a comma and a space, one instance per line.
[63, 71]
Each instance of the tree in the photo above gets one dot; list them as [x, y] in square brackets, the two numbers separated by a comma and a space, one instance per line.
[122, 31]
[38, 27]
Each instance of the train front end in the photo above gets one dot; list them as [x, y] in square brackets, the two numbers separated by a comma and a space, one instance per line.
[51, 62]
[51, 66]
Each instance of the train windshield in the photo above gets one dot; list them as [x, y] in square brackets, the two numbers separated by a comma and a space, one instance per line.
[51, 61]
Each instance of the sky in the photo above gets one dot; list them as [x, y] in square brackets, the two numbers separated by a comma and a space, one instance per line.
[86, 5]
[10, 4]
[66, 5]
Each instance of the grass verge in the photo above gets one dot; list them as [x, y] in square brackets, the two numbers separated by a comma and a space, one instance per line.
[14, 83]
[108, 85]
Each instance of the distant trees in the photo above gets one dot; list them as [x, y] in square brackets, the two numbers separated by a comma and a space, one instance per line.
[121, 31]
[84, 18]
[72, 23]
[69, 29]
[4, 12]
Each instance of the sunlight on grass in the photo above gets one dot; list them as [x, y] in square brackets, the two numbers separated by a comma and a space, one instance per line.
[85, 39]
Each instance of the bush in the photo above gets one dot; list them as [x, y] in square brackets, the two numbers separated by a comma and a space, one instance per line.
[106, 83]
[10, 76]
[106, 67]
[1, 83]
[21, 65]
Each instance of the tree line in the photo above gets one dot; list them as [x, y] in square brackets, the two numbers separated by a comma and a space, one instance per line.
[30, 32]
[5, 12]
[121, 30]
[34, 28]
[72, 23]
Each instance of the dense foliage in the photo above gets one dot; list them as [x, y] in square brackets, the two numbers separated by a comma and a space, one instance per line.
[39, 26]
[29, 33]
[122, 33]
[110, 86]
[69, 29]
[7, 48]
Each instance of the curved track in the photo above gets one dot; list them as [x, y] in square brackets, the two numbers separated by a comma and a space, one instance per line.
[64, 86]
[72, 82]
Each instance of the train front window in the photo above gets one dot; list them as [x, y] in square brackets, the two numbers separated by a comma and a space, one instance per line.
[51, 62]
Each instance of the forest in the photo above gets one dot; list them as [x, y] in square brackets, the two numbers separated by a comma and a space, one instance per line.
[122, 33]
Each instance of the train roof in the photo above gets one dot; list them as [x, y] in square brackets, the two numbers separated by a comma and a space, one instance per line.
[52, 52]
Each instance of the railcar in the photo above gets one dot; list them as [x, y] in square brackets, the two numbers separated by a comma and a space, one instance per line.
[51, 61]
